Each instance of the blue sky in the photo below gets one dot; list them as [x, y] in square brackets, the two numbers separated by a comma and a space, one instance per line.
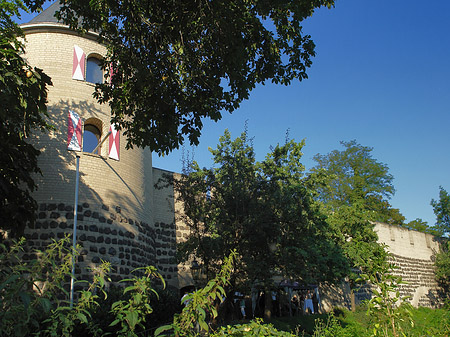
[381, 76]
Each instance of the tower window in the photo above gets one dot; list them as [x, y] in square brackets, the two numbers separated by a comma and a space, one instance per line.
[94, 72]
[91, 137]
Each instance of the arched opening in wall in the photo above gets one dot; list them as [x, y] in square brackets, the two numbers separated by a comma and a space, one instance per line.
[94, 72]
[92, 135]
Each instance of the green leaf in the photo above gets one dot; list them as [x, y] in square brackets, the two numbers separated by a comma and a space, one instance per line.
[132, 318]
[203, 325]
[137, 298]
[82, 318]
[45, 304]
[116, 304]
[378, 300]
[130, 288]
[202, 313]
[117, 321]
[162, 329]
[12, 278]
[26, 299]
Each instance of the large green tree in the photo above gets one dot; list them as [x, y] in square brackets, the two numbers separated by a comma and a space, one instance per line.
[263, 210]
[23, 93]
[306, 249]
[354, 176]
[354, 193]
[178, 62]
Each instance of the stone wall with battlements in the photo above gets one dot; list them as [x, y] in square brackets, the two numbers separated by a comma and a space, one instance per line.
[413, 254]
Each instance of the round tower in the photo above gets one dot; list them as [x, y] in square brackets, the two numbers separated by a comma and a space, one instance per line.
[115, 218]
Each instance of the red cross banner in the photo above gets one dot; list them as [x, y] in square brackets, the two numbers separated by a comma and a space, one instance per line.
[112, 72]
[79, 60]
[74, 133]
[114, 143]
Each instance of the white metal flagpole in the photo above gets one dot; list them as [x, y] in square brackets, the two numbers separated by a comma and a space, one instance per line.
[75, 215]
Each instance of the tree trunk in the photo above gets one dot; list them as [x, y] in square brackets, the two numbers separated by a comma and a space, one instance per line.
[352, 299]
[267, 304]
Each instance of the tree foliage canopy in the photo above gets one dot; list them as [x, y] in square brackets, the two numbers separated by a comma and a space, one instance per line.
[354, 176]
[441, 209]
[354, 193]
[178, 62]
[265, 210]
[421, 226]
[442, 264]
[23, 93]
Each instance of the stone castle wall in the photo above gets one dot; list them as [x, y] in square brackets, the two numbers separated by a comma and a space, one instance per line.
[103, 232]
[170, 228]
[413, 254]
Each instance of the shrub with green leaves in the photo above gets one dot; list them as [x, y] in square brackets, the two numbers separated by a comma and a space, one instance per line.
[201, 304]
[131, 314]
[29, 290]
[389, 311]
[65, 318]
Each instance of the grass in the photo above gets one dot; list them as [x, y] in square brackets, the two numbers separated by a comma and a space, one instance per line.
[427, 323]
[305, 324]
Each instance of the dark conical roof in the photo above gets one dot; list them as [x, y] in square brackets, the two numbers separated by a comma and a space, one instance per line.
[48, 16]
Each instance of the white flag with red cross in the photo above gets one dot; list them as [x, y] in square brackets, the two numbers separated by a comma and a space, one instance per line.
[112, 72]
[74, 134]
[79, 60]
[114, 143]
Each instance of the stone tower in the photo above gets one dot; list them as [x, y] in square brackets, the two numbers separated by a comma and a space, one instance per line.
[115, 208]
